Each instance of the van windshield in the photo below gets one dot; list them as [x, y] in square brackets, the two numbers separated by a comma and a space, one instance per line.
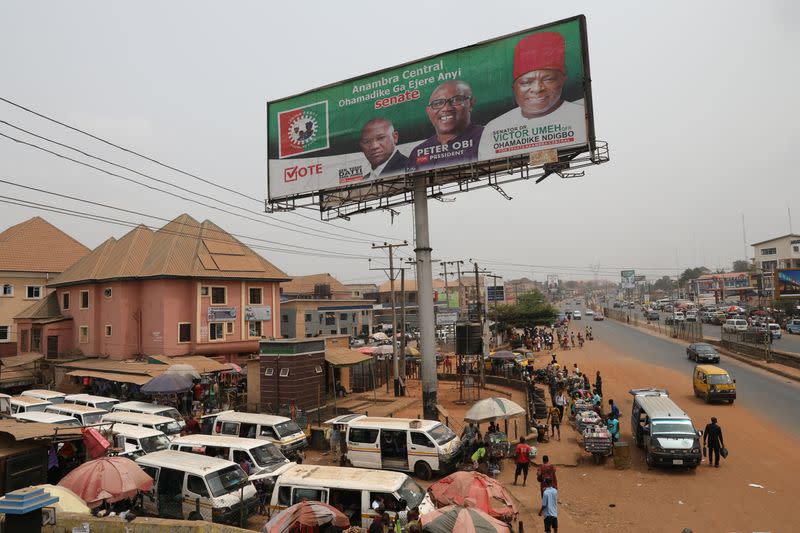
[154, 443]
[719, 379]
[442, 434]
[168, 428]
[287, 428]
[267, 454]
[36, 408]
[92, 418]
[105, 406]
[681, 427]
[226, 480]
[69, 422]
[172, 413]
[411, 493]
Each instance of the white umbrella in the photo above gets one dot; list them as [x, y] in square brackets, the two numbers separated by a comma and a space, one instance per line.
[493, 409]
[187, 370]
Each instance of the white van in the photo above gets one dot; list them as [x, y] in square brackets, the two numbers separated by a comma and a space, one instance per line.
[101, 402]
[139, 440]
[353, 488]
[419, 446]
[264, 457]
[5, 403]
[149, 409]
[51, 396]
[87, 416]
[281, 431]
[181, 479]
[26, 404]
[43, 417]
[164, 424]
[735, 324]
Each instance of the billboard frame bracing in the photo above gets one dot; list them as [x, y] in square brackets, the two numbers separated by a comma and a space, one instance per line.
[343, 197]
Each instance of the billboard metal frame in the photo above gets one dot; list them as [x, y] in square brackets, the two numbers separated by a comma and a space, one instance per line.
[347, 200]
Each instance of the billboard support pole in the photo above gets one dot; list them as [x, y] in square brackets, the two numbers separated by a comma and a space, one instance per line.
[425, 302]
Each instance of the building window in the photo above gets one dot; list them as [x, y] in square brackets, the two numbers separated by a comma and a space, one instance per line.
[308, 317]
[216, 331]
[255, 295]
[107, 292]
[342, 316]
[343, 331]
[412, 297]
[318, 369]
[33, 292]
[5, 333]
[254, 329]
[769, 251]
[83, 334]
[769, 266]
[108, 330]
[203, 291]
[229, 328]
[84, 299]
[796, 248]
[218, 296]
[65, 301]
[8, 290]
[269, 372]
[330, 319]
[333, 332]
[184, 332]
[284, 372]
[285, 319]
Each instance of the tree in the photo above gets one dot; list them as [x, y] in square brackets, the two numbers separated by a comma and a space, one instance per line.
[741, 265]
[530, 310]
[664, 284]
[692, 273]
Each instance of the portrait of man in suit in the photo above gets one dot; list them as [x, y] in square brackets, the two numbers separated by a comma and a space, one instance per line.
[379, 145]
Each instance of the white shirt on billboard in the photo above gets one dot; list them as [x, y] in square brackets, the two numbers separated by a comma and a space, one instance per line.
[517, 134]
[377, 170]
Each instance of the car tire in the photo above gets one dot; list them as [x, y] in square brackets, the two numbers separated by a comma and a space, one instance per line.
[648, 459]
[423, 470]
[730, 402]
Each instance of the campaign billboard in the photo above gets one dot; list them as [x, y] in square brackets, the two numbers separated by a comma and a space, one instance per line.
[788, 283]
[628, 279]
[510, 96]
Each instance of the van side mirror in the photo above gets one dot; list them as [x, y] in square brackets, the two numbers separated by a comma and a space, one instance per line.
[734, 381]
[699, 432]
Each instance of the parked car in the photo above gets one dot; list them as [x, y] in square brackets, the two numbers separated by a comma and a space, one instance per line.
[691, 317]
[775, 330]
[589, 312]
[576, 315]
[598, 317]
[652, 315]
[702, 352]
[735, 324]
[793, 326]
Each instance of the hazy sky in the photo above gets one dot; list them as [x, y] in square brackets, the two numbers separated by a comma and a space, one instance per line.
[696, 100]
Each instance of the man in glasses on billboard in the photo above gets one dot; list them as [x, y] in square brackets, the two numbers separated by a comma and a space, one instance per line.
[379, 145]
[543, 119]
[456, 139]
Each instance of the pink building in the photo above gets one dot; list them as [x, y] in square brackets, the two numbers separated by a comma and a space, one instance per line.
[188, 288]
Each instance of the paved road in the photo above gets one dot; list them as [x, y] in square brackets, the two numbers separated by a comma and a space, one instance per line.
[787, 343]
[776, 399]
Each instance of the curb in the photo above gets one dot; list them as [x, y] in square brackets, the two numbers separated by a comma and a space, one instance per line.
[738, 357]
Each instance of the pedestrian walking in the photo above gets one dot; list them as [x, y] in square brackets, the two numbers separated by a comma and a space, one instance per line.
[554, 417]
[546, 472]
[598, 383]
[613, 409]
[613, 427]
[713, 437]
[336, 442]
[561, 403]
[522, 458]
[549, 507]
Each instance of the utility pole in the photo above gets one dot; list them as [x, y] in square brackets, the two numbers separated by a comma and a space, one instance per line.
[446, 286]
[481, 319]
[403, 330]
[395, 361]
[494, 284]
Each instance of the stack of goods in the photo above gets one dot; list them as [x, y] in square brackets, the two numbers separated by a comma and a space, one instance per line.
[582, 405]
[597, 440]
[574, 383]
[586, 419]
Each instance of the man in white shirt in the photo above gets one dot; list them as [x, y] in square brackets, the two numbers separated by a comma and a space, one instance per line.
[543, 119]
[379, 145]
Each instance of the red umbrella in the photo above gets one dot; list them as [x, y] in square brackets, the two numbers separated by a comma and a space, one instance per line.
[307, 515]
[760, 313]
[108, 479]
[487, 493]
[461, 519]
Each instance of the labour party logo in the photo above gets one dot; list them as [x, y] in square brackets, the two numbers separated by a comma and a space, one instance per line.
[303, 130]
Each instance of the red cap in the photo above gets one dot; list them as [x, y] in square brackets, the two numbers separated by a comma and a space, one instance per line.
[539, 51]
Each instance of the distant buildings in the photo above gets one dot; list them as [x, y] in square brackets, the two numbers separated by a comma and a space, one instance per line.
[31, 254]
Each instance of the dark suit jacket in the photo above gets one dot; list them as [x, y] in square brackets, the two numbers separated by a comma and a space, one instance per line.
[397, 162]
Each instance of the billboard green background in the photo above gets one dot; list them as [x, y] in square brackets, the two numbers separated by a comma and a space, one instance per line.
[487, 67]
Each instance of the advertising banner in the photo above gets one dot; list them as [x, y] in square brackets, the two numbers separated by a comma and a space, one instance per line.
[495, 294]
[788, 283]
[446, 317]
[254, 313]
[628, 279]
[514, 95]
[221, 314]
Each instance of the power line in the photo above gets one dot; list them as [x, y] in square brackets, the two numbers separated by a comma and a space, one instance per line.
[170, 167]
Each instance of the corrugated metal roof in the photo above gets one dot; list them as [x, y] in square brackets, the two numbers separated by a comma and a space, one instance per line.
[338, 356]
[123, 367]
[19, 360]
[47, 307]
[200, 363]
[179, 249]
[37, 246]
[35, 430]
[305, 284]
[111, 376]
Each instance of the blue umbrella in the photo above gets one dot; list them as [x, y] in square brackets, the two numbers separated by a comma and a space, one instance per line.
[168, 383]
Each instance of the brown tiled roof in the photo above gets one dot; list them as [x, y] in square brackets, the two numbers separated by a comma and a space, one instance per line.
[37, 246]
[183, 248]
[411, 285]
[305, 284]
[45, 308]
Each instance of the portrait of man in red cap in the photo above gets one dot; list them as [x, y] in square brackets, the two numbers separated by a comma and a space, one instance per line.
[542, 118]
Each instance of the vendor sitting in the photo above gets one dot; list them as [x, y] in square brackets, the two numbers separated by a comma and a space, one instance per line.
[493, 428]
